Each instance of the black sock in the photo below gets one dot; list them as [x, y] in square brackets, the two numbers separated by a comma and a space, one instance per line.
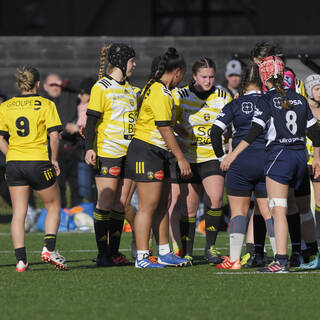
[282, 258]
[21, 254]
[184, 226]
[295, 231]
[115, 230]
[250, 248]
[50, 241]
[101, 226]
[259, 233]
[313, 248]
[212, 218]
[188, 228]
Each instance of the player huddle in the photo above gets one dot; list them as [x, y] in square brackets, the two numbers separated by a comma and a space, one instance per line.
[177, 146]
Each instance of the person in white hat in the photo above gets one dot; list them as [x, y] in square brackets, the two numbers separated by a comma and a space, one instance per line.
[233, 76]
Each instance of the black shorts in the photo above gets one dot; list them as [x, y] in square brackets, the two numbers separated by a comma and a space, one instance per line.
[311, 175]
[304, 188]
[201, 170]
[173, 168]
[38, 175]
[110, 167]
[146, 162]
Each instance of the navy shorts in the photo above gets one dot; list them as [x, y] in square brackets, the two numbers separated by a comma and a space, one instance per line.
[287, 166]
[246, 174]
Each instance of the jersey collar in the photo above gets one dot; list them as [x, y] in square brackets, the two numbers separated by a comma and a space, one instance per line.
[27, 95]
[120, 82]
[252, 92]
[204, 95]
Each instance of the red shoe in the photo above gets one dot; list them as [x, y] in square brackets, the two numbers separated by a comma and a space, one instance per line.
[227, 264]
[55, 258]
[21, 266]
[120, 260]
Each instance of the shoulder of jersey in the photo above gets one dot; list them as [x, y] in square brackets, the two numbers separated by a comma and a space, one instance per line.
[104, 83]
[183, 92]
[221, 93]
[164, 90]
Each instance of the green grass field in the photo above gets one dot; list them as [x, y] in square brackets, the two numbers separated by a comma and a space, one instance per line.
[197, 292]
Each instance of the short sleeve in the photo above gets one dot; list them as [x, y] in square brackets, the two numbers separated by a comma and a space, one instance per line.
[3, 125]
[225, 117]
[262, 112]
[53, 122]
[161, 106]
[96, 102]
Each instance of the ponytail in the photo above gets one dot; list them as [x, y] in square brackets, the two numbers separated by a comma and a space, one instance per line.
[169, 61]
[250, 75]
[103, 56]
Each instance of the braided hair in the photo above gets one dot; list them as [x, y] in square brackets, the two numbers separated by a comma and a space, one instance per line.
[277, 83]
[250, 75]
[169, 61]
[27, 76]
[202, 62]
[103, 56]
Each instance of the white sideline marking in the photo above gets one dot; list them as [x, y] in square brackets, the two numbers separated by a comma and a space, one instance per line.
[261, 273]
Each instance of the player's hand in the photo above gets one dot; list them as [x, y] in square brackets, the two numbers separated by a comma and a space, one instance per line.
[72, 128]
[90, 157]
[185, 169]
[82, 132]
[56, 167]
[316, 168]
[226, 162]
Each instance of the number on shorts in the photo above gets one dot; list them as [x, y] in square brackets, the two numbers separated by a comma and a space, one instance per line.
[291, 124]
[22, 123]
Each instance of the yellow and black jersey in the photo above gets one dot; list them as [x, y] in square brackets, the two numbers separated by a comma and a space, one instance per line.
[157, 110]
[28, 119]
[300, 88]
[197, 116]
[115, 104]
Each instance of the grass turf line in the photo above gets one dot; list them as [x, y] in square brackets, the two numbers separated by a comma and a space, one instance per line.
[197, 292]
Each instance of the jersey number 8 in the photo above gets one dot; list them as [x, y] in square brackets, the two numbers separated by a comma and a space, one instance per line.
[22, 123]
[291, 118]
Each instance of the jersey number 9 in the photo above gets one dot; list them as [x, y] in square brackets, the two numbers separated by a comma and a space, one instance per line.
[22, 123]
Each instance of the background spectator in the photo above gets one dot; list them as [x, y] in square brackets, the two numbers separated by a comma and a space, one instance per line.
[66, 102]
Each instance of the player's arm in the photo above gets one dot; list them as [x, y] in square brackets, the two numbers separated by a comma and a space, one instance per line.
[90, 130]
[3, 145]
[54, 146]
[171, 141]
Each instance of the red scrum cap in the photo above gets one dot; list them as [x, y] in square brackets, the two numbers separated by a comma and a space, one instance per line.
[269, 67]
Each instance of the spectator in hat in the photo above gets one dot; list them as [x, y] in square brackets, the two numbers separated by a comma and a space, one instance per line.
[233, 76]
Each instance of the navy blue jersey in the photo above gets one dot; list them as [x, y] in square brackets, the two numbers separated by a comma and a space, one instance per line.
[287, 127]
[240, 112]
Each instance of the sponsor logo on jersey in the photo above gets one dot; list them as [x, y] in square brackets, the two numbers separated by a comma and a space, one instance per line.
[277, 102]
[150, 175]
[159, 175]
[115, 171]
[206, 116]
[257, 112]
[247, 107]
[295, 102]
[221, 115]
[104, 170]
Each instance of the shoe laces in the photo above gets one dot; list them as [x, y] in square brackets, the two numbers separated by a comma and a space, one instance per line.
[57, 256]
[152, 259]
[214, 252]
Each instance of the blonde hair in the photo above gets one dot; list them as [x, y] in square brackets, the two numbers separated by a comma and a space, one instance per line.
[27, 76]
[103, 57]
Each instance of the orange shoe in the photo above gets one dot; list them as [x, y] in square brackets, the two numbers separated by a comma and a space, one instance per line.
[227, 264]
